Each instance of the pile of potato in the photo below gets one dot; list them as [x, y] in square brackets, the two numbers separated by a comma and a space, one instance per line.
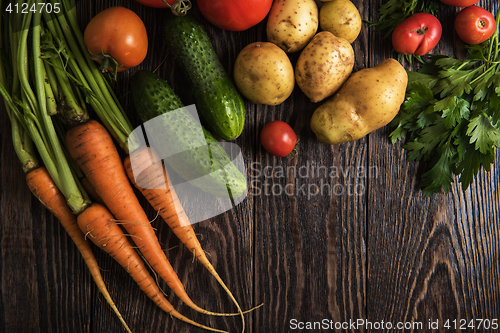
[355, 104]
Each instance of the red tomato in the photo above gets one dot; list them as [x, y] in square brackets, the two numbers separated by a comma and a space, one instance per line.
[278, 138]
[155, 3]
[474, 24]
[460, 3]
[234, 15]
[117, 34]
[418, 34]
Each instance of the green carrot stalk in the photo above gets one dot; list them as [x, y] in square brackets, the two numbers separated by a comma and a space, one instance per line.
[104, 103]
[68, 185]
[50, 98]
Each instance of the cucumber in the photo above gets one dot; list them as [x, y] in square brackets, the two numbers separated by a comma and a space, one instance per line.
[191, 151]
[217, 99]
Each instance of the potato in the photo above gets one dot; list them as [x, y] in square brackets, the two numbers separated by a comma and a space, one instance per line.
[264, 74]
[368, 100]
[323, 66]
[292, 24]
[341, 18]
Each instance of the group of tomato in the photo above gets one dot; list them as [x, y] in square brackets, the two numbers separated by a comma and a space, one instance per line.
[421, 32]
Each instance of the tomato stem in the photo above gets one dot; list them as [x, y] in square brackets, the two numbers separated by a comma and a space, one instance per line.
[107, 61]
[294, 151]
[421, 31]
[180, 7]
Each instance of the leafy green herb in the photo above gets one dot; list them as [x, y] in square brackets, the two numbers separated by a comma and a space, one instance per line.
[450, 119]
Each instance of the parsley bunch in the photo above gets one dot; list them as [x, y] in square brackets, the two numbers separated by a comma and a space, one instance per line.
[451, 116]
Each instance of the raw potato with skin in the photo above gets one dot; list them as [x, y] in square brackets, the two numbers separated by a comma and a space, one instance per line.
[323, 66]
[292, 24]
[263, 73]
[368, 100]
[341, 18]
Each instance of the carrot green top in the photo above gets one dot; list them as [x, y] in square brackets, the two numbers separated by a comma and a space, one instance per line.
[47, 80]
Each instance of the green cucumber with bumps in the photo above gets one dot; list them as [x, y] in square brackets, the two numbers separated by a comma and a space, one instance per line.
[217, 99]
[193, 153]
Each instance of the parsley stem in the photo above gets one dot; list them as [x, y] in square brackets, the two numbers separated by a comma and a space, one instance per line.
[480, 76]
[494, 43]
[463, 64]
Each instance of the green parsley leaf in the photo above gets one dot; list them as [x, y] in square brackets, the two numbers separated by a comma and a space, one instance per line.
[483, 133]
[427, 141]
[440, 172]
[422, 83]
[494, 107]
[455, 113]
[456, 82]
[471, 163]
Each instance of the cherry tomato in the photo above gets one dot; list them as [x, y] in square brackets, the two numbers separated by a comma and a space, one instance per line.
[118, 35]
[278, 138]
[460, 3]
[234, 15]
[474, 24]
[418, 34]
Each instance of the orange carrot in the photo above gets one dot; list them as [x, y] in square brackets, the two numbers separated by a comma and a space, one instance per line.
[100, 226]
[43, 187]
[91, 146]
[154, 186]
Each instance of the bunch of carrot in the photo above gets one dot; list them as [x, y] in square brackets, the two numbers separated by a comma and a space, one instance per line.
[47, 107]
[31, 140]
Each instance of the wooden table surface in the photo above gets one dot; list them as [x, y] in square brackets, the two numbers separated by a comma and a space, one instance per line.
[367, 249]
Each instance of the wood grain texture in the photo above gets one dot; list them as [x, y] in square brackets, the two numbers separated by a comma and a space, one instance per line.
[340, 233]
